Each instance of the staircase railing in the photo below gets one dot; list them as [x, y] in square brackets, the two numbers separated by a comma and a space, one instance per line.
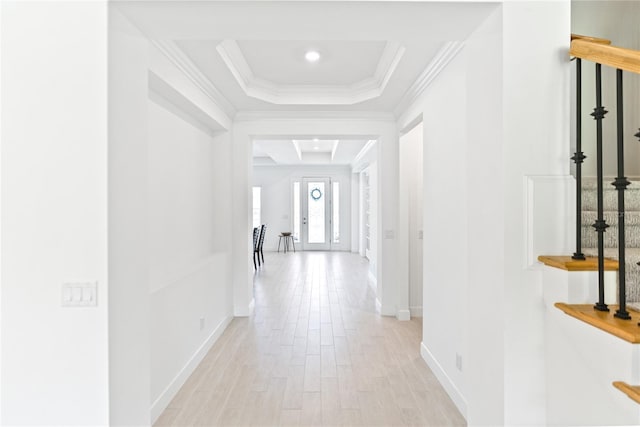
[600, 52]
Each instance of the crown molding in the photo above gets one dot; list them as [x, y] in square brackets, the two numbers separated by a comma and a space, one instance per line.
[189, 69]
[264, 90]
[363, 151]
[296, 146]
[334, 148]
[444, 56]
[254, 115]
[389, 60]
[233, 58]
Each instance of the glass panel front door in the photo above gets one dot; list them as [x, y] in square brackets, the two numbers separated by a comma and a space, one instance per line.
[316, 218]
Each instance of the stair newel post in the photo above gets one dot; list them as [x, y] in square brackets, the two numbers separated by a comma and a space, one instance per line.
[621, 183]
[600, 224]
[578, 158]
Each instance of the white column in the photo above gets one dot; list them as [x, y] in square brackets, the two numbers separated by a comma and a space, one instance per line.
[129, 301]
[241, 206]
[355, 212]
[54, 212]
[404, 181]
[387, 208]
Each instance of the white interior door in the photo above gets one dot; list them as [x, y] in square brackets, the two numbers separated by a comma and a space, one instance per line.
[316, 214]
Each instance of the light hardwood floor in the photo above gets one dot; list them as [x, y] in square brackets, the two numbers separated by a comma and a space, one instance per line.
[315, 352]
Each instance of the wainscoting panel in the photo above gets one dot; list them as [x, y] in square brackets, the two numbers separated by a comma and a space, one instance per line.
[549, 217]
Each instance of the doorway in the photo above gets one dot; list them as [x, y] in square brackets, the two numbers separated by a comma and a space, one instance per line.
[411, 211]
[316, 214]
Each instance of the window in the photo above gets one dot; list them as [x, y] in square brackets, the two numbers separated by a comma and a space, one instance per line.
[256, 207]
[296, 211]
[336, 212]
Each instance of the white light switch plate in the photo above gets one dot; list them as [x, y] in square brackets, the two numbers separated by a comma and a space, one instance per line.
[80, 294]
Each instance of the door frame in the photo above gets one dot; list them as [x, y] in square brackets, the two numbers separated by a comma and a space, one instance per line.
[304, 219]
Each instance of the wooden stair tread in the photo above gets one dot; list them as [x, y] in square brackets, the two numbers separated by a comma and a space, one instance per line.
[633, 391]
[565, 262]
[627, 330]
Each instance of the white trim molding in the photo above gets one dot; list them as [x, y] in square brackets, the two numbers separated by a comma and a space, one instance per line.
[449, 386]
[548, 217]
[416, 311]
[444, 56]
[281, 94]
[161, 403]
[184, 64]
[348, 116]
[403, 315]
[378, 306]
[370, 143]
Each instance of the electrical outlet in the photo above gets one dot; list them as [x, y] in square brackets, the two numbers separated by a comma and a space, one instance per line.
[459, 362]
[201, 323]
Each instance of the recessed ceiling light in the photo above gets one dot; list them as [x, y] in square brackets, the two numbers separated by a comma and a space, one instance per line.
[316, 148]
[312, 56]
[315, 140]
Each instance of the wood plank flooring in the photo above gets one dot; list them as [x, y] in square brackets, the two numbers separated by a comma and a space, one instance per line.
[314, 353]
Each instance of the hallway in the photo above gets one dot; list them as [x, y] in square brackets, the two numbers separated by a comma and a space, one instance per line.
[314, 352]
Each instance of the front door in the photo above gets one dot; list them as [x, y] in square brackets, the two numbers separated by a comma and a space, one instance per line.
[316, 214]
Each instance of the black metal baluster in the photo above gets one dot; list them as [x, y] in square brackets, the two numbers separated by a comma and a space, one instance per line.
[600, 225]
[578, 158]
[621, 184]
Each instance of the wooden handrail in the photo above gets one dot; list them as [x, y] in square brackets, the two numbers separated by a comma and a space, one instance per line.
[590, 39]
[616, 57]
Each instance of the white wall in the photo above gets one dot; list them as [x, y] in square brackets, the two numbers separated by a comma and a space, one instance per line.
[277, 200]
[129, 305]
[541, 151]
[355, 212]
[54, 212]
[169, 240]
[374, 231]
[480, 151]
[189, 236]
[616, 21]
[445, 204]
[411, 177]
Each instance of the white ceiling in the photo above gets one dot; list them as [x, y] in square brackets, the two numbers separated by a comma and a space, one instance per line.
[268, 152]
[374, 54]
[282, 61]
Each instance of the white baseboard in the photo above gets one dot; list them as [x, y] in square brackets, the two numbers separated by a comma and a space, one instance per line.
[403, 315]
[443, 378]
[416, 311]
[161, 403]
[373, 282]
